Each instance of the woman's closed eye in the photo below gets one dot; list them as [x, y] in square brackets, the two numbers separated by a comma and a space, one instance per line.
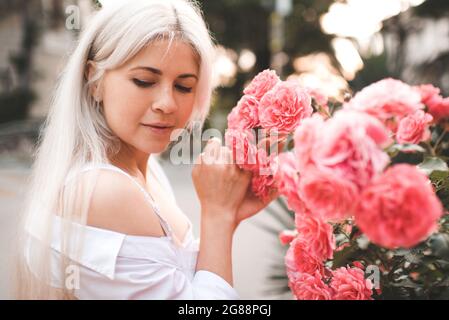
[183, 88]
[142, 84]
[145, 84]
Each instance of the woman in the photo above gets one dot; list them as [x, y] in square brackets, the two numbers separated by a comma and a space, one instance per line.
[100, 221]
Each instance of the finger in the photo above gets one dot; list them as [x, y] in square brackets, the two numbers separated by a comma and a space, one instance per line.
[226, 155]
[217, 148]
[273, 194]
[231, 155]
[208, 157]
[212, 150]
[201, 158]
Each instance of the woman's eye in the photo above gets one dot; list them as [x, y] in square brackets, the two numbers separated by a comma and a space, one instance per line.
[183, 89]
[142, 84]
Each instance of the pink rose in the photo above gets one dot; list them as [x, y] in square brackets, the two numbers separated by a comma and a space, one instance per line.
[414, 128]
[283, 107]
[437, 106]
[245, 114]
[440, 109]
[358, 265]
[262, 185]
[350, 284]
[261, 84]
[330, 196]
[350, 147]
[337, 158]
[299, 260]
[265, 162]
[429, 93]
[399, 208]
[287, 177]
[310, 287]
[287, 236]
[306, 137]
[370, 125]
[320, 98]
[389, 100]
[242, 144]
[318, 236]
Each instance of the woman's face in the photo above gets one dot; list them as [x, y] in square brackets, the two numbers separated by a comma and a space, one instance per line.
[151, 95]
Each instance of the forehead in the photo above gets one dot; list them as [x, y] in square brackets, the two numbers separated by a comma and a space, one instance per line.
[177, 57]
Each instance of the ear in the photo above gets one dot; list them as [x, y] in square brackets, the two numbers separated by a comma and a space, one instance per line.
[88, 74]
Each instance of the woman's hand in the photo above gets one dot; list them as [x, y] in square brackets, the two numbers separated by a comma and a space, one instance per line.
[221, 186]
[252, 205]
[226, 199]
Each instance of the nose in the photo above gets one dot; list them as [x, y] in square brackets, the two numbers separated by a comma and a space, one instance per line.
[164, 101]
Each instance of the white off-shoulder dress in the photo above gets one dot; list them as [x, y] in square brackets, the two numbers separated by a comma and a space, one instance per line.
[114, 265]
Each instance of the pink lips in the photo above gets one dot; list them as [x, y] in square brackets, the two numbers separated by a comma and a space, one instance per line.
[159, 128]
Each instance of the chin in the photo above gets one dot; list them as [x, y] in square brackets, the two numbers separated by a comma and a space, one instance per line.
[156, 147]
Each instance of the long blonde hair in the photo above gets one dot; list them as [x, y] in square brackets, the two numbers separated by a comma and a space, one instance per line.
[76, 133]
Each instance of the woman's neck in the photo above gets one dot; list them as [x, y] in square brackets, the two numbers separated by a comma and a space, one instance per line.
[132, 161]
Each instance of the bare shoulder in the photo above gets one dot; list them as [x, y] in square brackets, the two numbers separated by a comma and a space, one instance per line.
[119, 205]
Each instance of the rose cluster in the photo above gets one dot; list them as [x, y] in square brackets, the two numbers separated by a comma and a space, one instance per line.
[339, 170]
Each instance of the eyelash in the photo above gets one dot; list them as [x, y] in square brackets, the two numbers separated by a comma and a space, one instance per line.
[143, 84]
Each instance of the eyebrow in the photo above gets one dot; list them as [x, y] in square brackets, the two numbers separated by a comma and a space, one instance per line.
[159, 72]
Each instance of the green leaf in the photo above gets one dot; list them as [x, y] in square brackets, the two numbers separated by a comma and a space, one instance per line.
[405, 283]
[440, 181]
[431, 164]
[439, 177]
[444, 295]
[439, 243]
[394, 149]
[344, 257]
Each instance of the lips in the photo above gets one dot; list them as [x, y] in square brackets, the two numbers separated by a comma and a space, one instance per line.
[159, 125]
[159, 128]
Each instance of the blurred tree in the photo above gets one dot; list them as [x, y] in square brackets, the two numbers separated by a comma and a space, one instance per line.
[246, 25]
[15, 100]
[7, 7]
[56, 14]
[416, 47]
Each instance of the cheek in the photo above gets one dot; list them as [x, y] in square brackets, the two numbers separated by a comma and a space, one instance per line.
[124, 106]
[185, 110]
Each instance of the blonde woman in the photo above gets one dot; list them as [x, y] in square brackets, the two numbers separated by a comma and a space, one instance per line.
[100, 220]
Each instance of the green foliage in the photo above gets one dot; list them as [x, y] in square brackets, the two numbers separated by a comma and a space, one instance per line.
[421, 272]
[433, 164]
[395, 149]
[418, 273]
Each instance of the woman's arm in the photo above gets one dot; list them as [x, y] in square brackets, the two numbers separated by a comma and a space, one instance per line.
[215, 253]
[221, 187]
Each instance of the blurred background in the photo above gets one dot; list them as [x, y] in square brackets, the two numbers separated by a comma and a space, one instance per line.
[338, 46]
